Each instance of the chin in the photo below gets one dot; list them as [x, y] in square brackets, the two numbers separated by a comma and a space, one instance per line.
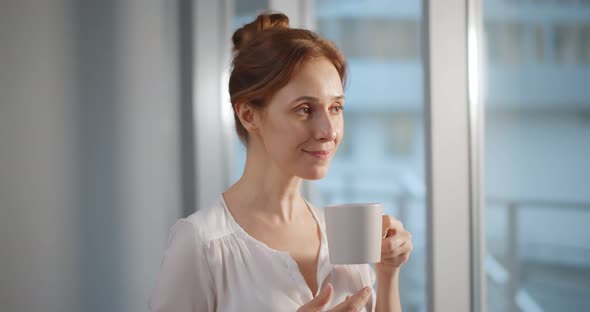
[314, 173]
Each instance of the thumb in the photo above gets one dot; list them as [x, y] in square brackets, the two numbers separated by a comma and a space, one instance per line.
[319, 301]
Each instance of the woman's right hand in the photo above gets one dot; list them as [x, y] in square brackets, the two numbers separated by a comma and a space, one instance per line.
[352, 303]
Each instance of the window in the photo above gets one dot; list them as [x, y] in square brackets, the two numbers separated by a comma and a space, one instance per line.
[585, 44]
[537, 151]
[346, 147]
[538, 43]
[383, 118]
[388, 39]
[505, 42]
[566, 44]
[400, 134]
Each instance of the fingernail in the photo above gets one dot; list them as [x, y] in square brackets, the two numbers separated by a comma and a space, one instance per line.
[325, 289]
[367, 290]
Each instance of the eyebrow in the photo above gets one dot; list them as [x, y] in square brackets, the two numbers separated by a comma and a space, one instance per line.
[315, 99]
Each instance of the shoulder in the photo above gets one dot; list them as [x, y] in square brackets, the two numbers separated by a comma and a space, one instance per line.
[208, 223]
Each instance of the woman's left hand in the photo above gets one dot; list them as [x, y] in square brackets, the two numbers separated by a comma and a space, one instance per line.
[396, 246]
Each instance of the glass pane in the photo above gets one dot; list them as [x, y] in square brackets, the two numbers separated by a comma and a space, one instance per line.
[381, 157]
[537, 155]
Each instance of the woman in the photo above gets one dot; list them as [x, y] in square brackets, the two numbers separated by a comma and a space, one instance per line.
[262, 246]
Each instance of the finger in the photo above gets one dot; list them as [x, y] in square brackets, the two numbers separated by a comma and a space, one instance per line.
[390, 244]
[403, 258]
[355, 302]
[405, 247]
[396, 241]
[319, 301]
[393, 243]
[390, 226]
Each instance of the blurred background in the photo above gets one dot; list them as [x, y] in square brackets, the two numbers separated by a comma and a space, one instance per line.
[115, 121]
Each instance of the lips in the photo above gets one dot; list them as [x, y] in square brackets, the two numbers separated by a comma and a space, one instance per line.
[320, 154]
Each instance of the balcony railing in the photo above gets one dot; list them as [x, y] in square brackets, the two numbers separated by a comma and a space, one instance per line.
[503, 267]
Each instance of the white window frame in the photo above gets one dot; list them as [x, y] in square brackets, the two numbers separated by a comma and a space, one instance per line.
[453, 121]
[476, 80]
[449, 267]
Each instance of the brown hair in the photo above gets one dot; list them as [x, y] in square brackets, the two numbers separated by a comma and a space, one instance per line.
[267, 53]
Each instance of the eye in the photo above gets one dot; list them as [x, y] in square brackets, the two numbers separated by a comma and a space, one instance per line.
[304, 110]
[337, 108]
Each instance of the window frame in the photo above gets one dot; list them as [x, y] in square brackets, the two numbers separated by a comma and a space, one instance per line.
[451, 32]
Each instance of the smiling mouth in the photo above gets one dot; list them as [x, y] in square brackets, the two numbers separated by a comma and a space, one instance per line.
[319, 154]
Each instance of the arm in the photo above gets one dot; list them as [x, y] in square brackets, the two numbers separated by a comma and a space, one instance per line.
[184, 283]
[396, 248]
[388, 292]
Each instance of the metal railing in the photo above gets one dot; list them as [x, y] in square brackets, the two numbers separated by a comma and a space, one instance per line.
[506, 273]
[519, 299]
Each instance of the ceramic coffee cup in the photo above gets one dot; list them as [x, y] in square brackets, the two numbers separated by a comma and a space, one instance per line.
[354, 232]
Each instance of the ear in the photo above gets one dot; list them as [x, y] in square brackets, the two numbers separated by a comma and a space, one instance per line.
[248, 115]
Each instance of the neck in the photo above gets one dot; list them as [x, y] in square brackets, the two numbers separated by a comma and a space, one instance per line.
[267, 191]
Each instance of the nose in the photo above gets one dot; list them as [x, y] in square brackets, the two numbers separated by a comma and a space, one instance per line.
[325, 128]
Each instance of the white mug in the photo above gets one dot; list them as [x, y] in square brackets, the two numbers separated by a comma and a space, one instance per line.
[354, 232]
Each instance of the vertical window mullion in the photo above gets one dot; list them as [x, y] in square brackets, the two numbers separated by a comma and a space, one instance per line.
[447, 152]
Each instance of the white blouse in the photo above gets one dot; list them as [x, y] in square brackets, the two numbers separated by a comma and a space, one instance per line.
[212, 264]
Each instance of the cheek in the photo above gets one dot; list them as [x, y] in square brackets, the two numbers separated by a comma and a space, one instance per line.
[283, 138]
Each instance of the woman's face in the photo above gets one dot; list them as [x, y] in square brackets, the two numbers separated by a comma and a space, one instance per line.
[303, 123]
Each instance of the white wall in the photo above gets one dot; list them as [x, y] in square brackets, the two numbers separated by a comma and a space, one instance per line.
[89, 151]
[38, 160]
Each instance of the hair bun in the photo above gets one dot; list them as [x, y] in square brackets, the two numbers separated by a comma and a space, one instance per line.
[263, 22]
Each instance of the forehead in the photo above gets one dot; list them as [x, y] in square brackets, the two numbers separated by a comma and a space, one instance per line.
[316, 77]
